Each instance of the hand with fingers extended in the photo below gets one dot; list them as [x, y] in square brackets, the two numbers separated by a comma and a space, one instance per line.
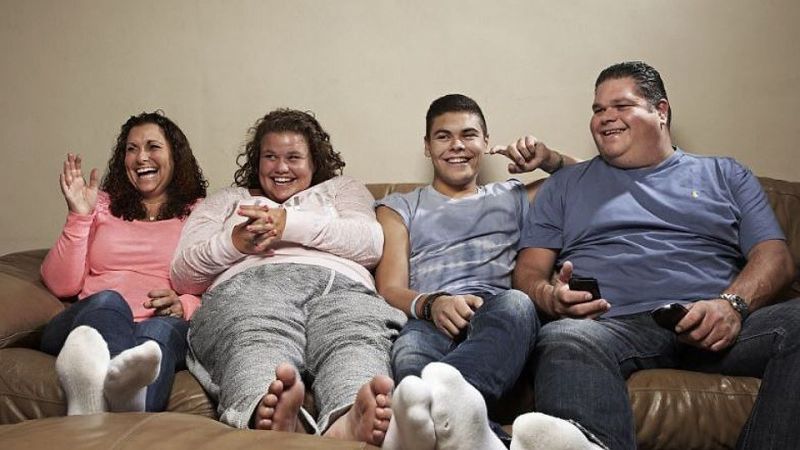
[452, 313]
[526, 154]
[575, 304]
[165, 302]
[263, 229]
[81, 197]
[710, 324]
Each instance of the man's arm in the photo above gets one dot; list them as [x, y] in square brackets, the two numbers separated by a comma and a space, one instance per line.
[528, 154]
[533, 274]
[714, 324]
[391, 275]
[450, 313]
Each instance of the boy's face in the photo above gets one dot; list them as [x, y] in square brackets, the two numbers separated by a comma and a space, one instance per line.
[455, 146]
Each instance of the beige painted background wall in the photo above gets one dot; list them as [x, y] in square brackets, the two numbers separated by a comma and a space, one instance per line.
[73, 71]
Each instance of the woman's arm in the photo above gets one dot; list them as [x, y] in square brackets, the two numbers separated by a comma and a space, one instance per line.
[205, 248]
[352, 232]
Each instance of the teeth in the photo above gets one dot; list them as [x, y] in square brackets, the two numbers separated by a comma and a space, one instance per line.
[146, 171]
[610, 132]
[281, 180]
[457, 160]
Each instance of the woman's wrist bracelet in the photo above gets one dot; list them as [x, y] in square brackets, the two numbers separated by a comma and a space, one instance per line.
[413, 309]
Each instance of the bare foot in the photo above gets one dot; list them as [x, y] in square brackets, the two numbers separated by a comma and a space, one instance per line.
[368, 418]
[279, 407]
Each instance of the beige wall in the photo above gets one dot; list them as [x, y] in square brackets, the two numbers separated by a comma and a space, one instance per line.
[73, 71]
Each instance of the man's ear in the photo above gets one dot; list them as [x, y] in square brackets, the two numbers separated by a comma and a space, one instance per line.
[663, 111]
[427, 147]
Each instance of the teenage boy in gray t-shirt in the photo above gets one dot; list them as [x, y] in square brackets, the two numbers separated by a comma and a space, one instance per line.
[448, 257]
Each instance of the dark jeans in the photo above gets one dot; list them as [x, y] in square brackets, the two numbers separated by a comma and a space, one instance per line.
[109, 314]
[581, 366]
[499, 339]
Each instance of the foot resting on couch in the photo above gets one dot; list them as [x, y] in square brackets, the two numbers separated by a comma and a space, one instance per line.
[368, 419]
[536, 431]
[440, 410]
[129, 374]
[82, 365]
[279, 407]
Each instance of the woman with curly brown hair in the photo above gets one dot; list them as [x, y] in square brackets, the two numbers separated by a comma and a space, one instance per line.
[128, 328]
[285, 258]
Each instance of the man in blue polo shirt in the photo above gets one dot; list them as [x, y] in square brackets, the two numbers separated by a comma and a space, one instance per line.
[656, 225]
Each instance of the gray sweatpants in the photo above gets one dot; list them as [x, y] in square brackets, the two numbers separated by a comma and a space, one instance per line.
[332, 328]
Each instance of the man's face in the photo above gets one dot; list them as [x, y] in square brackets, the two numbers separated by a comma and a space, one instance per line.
[455, 146]
[626, 128]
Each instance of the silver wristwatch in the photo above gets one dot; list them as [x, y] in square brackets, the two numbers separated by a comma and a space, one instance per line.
[738, 303]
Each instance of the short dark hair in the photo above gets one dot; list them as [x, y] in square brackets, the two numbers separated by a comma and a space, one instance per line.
[648, 81]
[327, 162]
[187, 184]
[452, 103]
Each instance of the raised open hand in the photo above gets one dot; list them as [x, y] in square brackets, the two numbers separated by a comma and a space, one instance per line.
[81, 198]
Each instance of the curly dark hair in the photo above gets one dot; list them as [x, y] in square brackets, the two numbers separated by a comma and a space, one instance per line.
[187, 184]
[326, 161]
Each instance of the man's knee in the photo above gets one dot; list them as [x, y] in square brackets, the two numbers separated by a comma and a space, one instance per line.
[512, 303]
[572, 335]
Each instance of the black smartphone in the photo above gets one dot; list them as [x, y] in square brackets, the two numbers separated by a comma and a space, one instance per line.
[587, 284]
[668, 316]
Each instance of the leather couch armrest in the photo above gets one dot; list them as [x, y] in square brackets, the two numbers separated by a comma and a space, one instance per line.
[25, 304]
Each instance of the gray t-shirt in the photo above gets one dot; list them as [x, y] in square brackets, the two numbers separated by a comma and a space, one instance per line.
[680, 231]
[465, 245]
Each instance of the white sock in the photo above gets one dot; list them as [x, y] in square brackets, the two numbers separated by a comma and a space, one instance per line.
[458, 410]
[537, 431]
[128, 375]
[411, 427]
[81, 366]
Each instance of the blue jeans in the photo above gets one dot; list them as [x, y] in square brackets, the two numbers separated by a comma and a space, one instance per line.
[581, 366]
[109, 314]
[500, 336]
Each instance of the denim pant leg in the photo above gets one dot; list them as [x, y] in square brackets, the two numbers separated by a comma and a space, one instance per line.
[170, 335]
[500, 336]
[581, 366]
[768, 347]
[106, 311]
[419, 344]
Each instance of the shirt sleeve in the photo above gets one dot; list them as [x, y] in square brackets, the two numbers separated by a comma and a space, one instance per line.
[544, 223]
[398, 203]
[352, 232]
[65, 267]
[757, 219]
[205, 248]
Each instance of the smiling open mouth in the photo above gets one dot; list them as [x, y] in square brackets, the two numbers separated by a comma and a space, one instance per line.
[146, 172]
[282, 180]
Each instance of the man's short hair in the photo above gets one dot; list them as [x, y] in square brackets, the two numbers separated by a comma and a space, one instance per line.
[452, 103]
[648, 81]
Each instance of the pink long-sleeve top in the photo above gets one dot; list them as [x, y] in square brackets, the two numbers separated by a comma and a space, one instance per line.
[331, 224]
[98, 251]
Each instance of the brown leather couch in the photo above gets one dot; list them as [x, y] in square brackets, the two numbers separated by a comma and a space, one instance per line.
[673, 409]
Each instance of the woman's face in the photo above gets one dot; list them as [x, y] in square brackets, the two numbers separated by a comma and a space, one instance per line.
[285, 166]
[148, 161]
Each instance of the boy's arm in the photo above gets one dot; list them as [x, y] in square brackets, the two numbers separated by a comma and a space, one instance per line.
[391, 275]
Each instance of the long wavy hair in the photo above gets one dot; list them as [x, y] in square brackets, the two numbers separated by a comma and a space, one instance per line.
[187, 184]
[326, 161]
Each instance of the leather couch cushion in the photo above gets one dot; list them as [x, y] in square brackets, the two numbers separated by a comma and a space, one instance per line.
[26, 304]
[29, 389]
[137, 431]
